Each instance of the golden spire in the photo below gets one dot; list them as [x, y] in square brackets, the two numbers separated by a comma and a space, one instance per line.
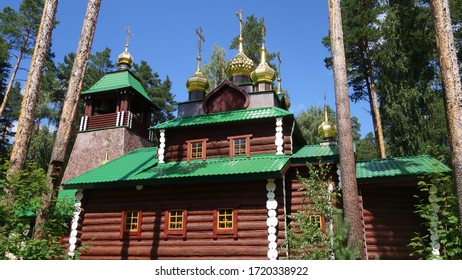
[241, 40]
[125, 60]
[327, 130]
[198, 82]
[240, 64]
[263, 73]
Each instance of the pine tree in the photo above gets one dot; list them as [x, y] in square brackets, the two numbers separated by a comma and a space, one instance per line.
[347, 160]
[20, 30]
[449, 66]
[29, 104]
[63, 137]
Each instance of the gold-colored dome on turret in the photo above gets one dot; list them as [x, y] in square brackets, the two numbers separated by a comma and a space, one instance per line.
[263, 73]
[125, 59]
[240, 64]
[327, 130]
[197, 82]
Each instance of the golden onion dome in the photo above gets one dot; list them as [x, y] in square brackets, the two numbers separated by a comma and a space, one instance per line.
[327, 130]
[125, 59]
[240, 64]
[197, 82]
[263, 73]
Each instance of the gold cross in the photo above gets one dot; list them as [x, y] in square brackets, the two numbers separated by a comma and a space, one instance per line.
[129, 35]
[263, 30]
[200, 40]
[239, 16]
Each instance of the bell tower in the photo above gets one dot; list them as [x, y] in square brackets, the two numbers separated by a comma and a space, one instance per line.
[116, 120]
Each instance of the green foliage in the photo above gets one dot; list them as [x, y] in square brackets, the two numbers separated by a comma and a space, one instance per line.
[438, 209]
[310, 119]
[306, 239]
[20, 28]
[158, 90]
[215, 69]
[10, 115]
[366, 148]
[20, 199]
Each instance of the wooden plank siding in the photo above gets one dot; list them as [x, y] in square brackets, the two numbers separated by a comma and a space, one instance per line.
[102, 220]
[261, 142]
[390, 221]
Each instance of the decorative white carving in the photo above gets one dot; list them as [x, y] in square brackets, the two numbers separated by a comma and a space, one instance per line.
[121, 122]
[432, 198]
[161, 150]
[75, 223]
[279, 137]
[82, 119]
[272, 220]
[130, 119]
[85, 122]
[118, 119]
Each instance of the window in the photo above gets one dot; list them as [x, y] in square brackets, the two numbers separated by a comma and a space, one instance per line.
[225, 222]
[239, 146]
[196, 149]
[175, 222]
[225, 218]
[131, 224]
[317, 220]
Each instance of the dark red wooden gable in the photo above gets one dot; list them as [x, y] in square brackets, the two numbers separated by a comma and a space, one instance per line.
[226, 97]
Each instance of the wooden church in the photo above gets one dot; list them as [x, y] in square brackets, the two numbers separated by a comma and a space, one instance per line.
[220, 182]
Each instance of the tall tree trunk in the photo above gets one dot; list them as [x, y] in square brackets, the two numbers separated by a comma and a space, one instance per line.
[34, 79]
[63, 136]
[13, 76]
[347, 160]
[452, 86]
[376, 119]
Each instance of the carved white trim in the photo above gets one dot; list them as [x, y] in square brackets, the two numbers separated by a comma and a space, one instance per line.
[161, 150]
[118, 119]
[272, 220]
[75, 223]
[121, 121]
[81, 123]
[279, 142]
[130, 119]
[85, 122]
[435, 244]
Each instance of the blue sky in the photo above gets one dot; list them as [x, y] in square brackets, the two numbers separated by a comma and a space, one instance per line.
[164, 36]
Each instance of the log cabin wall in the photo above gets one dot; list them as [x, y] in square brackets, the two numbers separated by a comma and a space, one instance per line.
[295, 196]
[101, 222]
[261, 142]
[389, 219]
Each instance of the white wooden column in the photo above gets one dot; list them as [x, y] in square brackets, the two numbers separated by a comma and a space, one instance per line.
[161, 150]
[279, 137]
[75, 223]
[272, 220]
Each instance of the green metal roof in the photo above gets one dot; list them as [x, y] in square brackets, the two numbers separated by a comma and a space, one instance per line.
[142, 167]
[316, 153]
[399, 167]
[223, 117]
[118, 80]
